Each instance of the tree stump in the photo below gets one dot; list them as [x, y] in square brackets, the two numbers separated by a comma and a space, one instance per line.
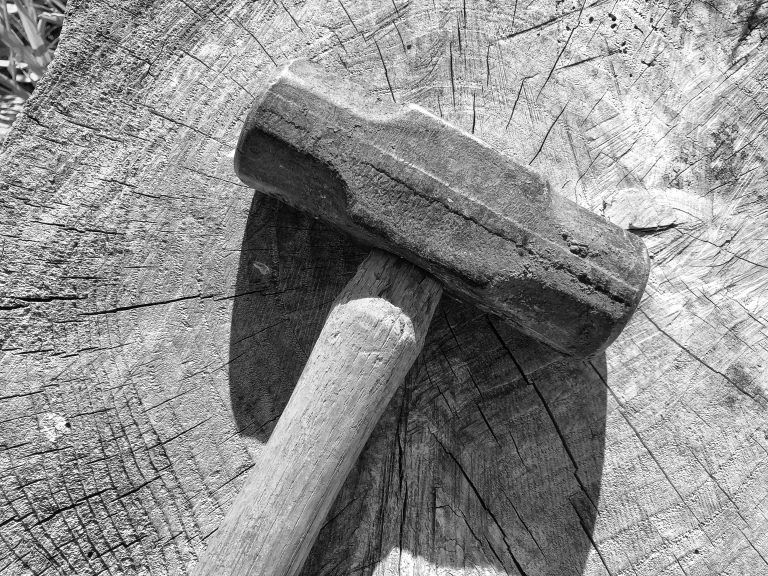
[156, 313]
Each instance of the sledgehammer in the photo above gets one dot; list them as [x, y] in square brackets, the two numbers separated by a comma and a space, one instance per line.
[442, 210]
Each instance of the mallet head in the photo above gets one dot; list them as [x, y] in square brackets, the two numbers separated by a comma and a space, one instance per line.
[399, 178]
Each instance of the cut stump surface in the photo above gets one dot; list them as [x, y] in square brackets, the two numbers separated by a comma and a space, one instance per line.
[155, 314]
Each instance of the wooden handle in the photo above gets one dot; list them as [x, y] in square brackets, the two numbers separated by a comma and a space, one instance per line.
[371, 338]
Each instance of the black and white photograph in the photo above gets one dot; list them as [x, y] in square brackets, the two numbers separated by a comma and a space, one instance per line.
[384, 288]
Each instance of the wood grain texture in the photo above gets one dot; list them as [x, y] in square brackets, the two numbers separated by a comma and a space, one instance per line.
[156, 315]
[368, 343]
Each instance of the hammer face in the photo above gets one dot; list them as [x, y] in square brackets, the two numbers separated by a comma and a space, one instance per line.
[401, 179]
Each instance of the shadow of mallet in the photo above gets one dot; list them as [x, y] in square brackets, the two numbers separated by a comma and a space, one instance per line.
[441, 209]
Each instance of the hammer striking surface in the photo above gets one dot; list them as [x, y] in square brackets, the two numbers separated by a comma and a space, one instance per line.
[416, 188]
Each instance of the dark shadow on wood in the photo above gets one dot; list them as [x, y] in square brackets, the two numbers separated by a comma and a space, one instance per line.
[490, 454]
[291, 269]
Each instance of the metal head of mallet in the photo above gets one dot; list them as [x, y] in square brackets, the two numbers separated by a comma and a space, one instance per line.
[440, 204]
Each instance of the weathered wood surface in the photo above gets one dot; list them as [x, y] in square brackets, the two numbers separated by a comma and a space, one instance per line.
[155, 315]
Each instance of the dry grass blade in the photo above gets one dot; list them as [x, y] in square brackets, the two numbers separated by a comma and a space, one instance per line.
[29, 34]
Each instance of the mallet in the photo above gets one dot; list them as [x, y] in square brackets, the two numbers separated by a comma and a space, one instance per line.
[442, 210]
